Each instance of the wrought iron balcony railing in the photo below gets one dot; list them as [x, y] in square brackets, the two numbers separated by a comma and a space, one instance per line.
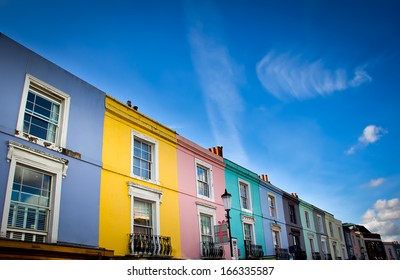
[328, 257]
[316, 255]
[297, 252]
[282, 254]
[209, 250]
[253, 251]
[144, 245]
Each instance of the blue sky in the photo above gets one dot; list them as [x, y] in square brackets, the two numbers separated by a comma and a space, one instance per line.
[304, 91]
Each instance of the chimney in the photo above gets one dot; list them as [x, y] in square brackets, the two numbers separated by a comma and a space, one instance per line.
[129, 103]
[295, 195]
[264, 177]
[217, 150]
[135, 108]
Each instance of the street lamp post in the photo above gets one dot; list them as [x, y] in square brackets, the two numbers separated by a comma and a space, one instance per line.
[227, 201]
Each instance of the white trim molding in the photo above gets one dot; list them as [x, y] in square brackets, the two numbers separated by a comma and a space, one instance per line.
[154, 157]
[43, 89]
[209, 168]
[57, 167]
[150, 194]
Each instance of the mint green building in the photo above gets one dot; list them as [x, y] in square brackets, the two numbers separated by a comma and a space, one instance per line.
[309, 232]
[246, 214]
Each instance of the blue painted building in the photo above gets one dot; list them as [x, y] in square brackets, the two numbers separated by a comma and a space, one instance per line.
[246, 214]
[51, 129]
[273, 219]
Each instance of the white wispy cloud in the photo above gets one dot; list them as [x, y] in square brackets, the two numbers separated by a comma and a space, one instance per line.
[376, 182]
[370, 135]
[384, 218]
[219, 76]
[286, 76]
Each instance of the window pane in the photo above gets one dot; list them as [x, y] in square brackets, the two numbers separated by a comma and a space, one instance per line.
[137, 152]
[37, 127]
[145, 173]
[136, 171]
[42, 106]
[203, 183]
[29, 203]
[142, 159]
[244, 196]
[31, 97]
[51, 132]
[248, 233]
[271, 203]
[41, 117]
[146, 155]
[143, 216]
[205, 228]
[145, 165]
[201, 174]
[55, 112]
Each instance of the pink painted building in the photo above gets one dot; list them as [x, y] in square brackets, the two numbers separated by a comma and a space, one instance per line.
[201, 182]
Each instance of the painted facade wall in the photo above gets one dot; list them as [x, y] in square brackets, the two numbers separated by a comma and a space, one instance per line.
[293, 223]
[392, 250]
[120, 186]
[272, 220]
[309, 231]
[321, 231]
[355, 244]
[349, 243]
[78, 150]
[234, 175]
[334, 244]
[194, 202]
[358, 245]
[338, 230]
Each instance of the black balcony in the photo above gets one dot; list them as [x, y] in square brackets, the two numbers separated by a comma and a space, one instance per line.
[328, 257]
[316, 255]
[150, 246]
[211, 251]
[297, 252]
[253, 251]
[281, 254]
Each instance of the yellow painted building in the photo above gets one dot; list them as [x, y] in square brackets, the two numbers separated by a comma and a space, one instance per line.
[139, 209]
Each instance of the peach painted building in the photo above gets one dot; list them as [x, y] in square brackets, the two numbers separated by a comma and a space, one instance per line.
[201, 182]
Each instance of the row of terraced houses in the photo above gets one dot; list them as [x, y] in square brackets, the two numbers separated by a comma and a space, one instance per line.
[85, 176]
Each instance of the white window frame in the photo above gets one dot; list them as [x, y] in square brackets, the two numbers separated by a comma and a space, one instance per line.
[324, 245]
[275, 207]
[250, 209]
[276, 234]
[154, 157]
[334, 250]
[275, 227]
[209, 211]
[250, 221]
[49, 92]
[312, 244]
[47, 163]
[319, 223]
[331, 229]
[207, 166]
[137, 191]
[307, 217]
